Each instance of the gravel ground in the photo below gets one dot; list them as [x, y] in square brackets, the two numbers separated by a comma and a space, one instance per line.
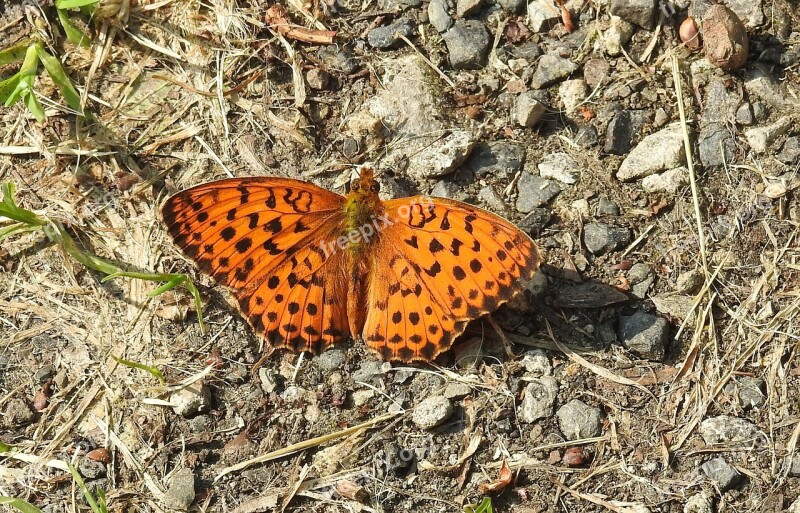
[650, 149]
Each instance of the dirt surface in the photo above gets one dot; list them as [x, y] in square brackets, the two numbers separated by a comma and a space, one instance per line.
[654, 363]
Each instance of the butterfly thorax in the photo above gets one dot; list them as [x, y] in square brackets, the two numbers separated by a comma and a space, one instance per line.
[364, 211]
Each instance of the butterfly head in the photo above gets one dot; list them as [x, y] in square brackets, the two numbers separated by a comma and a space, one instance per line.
[365, 184]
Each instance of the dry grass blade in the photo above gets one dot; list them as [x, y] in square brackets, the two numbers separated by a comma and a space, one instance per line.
[306, 444]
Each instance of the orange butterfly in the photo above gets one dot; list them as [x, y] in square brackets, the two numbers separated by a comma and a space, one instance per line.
[310, 267]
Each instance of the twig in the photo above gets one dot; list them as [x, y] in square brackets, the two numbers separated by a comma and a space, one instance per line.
[276, 19]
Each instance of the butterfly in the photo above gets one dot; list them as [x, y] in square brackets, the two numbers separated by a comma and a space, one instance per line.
[310, 267]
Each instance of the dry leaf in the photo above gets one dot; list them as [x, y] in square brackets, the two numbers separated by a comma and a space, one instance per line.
[504, 479]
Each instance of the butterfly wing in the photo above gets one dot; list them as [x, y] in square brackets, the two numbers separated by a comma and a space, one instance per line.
[264, 239]
[448, 263]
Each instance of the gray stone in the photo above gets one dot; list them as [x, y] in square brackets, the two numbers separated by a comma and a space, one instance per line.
[330, 360]
[369, 371]
[722, 473]
[44, 374]
[534, 191]
[441, 156]
[641, 277]
[535, 221]
[528, 109]
[578, 420]
[456, 390]
[446, 189]
[719, 103]
[744, 114]
[398, 5]
[761, 138]
[729, 430]
[586, 137]
[601, 238]
[716, 145]
[539, 399]
[561, 167]
[543, 15]
[622, 129]
[676, 306]
[466, 8]
[439, 16]
[794, 465]
[180, 492]
[536, 363]
[497, 159]
[318, 78]
[794, 507]
[17, 413]
[91, 469]
[512, 6]
[339, 58]
[657, 152]
[606, 207]
[468, 44]
[749, 11]
[550, 70]
[528, 50]
[191, 399]
[362, 397]
[268, 379]
[617, 35]
[748, 390]
[492, 199]
[700, 503]
[388, 36]
[690, 282]
[572, 93]
[671, 181]
[790, 151]
[644, 335]
[638, 12]
[432, 412]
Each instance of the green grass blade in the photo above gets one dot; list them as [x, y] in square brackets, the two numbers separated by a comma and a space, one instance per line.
[7, 231]
[7, 88]
[10, 209]
[5, 448]
[14, 53]
[33, 105]
[148, 368]
[86, 493]
[72, 4]
[74, 34]
[19, 504]
[172, 281]
[60, 78]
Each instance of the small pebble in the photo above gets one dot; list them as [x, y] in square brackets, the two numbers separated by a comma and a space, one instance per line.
[720, 471]
[432, 412]
[528, 110]
[578, 420]
[539, 399]
[645, 335]
[468, 44]
[180, 493]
